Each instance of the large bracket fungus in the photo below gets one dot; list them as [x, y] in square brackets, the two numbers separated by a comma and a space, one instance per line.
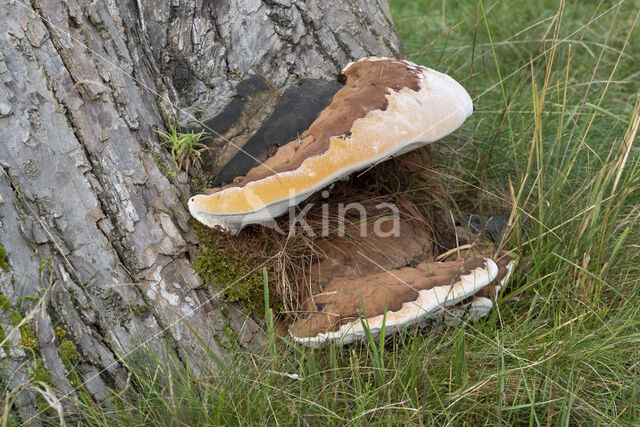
[385, 108]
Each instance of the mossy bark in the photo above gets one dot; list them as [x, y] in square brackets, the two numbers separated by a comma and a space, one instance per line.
[93, 227]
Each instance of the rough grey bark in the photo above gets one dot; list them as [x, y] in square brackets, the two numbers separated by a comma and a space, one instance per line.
[95, 231]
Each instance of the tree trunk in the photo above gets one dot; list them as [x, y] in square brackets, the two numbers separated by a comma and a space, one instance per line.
[95, 230]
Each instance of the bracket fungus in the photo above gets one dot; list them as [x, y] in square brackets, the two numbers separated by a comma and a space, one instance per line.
[450, 290]
[408, 294]
[386, 107]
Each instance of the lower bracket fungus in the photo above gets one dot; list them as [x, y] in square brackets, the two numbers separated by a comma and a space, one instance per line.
[408, 294]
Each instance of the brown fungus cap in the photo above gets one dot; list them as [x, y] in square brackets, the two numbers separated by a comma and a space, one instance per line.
[463, 289]
[387, 107]
[410, 296]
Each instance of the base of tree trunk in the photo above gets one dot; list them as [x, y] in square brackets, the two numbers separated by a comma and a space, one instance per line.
[96, 268]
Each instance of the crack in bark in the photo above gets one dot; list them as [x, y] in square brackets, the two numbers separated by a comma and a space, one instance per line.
[316, 37]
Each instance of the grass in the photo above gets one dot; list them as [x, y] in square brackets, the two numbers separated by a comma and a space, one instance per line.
[550, 144]
[185, 147]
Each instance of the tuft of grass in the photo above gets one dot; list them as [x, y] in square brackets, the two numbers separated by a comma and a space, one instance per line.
[186, 148]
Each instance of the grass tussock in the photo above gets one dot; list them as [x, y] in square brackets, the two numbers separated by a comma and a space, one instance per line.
[552, 144]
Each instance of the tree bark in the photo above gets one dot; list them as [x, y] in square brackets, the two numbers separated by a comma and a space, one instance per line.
[96, 234]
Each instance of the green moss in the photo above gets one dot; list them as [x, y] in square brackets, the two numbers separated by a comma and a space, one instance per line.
[140, 310]
[227, 271]
[68, 349]
[4, 263]
[5, 304]
[38, 372]
[76, 381]
[199, 182]
[70, 357]
[28, 338]
[69, 352]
